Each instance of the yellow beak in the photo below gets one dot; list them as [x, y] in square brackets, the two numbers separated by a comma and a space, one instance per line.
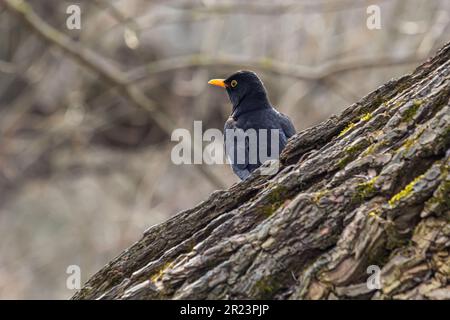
[217, 82]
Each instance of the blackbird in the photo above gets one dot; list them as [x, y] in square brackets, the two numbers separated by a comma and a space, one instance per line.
[252, 112]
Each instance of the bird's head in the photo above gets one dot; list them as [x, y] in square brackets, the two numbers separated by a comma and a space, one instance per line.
[243, 87]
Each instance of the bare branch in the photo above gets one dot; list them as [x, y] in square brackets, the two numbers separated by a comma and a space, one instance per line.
[113, 75]
[268, 65]
[285, 7]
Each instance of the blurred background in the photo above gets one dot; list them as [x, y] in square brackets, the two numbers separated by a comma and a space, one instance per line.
[86, 115]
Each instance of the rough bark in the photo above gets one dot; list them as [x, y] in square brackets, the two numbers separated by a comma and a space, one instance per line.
[367, 187]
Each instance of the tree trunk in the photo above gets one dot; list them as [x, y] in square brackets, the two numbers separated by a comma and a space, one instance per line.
[369, 187]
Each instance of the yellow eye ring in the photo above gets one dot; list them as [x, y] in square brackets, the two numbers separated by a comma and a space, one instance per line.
[233, 83]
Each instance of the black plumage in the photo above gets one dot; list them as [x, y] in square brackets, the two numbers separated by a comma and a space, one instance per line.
[251, 110]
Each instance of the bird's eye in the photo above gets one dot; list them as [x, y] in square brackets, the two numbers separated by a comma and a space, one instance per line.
[233, 83]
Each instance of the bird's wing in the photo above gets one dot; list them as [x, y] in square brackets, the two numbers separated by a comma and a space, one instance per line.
[232, 149]
[287, 126]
